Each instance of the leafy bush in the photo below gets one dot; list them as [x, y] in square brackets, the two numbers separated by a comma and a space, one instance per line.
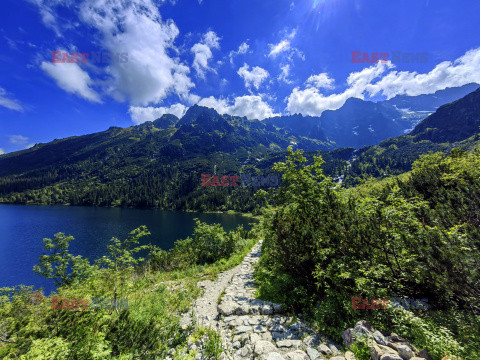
[361, 349]
[416, 239]
[210, 244]
[31, 329]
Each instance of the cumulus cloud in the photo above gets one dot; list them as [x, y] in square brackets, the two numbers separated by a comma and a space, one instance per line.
[133, 27]
[136, 27]
[381, 80]
[320, 81]
[18, 139]
[253, 77]
[285, 74]
[242, 49]
[2, 151]
[141, 114]
[462, 71]
[251, 106]
[203, 53]
[8, 102]
[211, 39]
[71, 78]
[310, 101]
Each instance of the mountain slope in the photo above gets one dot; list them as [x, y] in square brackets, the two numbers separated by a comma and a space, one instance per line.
[146, 166]
[361, 123]
[357, 123]
[201, 131]
[452, 122]
[155, 164]
[308, 126]
[452, 125]
[431, 102]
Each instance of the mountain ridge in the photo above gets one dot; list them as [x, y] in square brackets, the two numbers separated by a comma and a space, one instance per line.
[144, 165]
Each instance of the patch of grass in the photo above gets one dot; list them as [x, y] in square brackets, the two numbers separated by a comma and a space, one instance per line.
[149, 327]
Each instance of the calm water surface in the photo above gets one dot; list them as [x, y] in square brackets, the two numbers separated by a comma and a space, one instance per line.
[22, 229]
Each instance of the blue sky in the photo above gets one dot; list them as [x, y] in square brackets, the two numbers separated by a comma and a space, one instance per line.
[248, 58]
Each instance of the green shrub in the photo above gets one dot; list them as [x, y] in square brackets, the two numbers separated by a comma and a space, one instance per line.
[210, 243]
[322, 248]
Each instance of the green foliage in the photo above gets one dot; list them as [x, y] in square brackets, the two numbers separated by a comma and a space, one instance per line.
[59, 264]
[121, 260]
[438, 340]
[149, 328]
[361, 349]
[213, 346]
[417, 238]
[210, 244]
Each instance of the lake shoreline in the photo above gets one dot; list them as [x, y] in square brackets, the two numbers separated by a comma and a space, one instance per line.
[92, 228]
[228, 212]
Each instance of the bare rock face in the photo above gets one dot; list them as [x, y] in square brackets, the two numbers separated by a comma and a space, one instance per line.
[405, 352]
[272, 356]
[350, 355]
[296, 355]
[391, 357]
[361, 329]
[264, 347]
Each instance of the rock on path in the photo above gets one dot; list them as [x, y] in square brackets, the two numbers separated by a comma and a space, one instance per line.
[251, 328]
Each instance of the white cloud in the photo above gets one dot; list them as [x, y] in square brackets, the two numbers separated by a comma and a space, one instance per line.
[379, 80]
[141, 114]
[462, 71]
[283, 46]
[9, 103]
[71, 78]
[203, 53]
[134, 27]
[251, 106]
[200, 62]
[211, 39]
[2, 151]
[254, 77]
[18, 139]
[276, 49]
[285, 74]
[242, 49]
[46, 12]
[321, 80]
[311, 102]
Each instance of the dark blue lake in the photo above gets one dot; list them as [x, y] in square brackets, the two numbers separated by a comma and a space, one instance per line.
[22, 229]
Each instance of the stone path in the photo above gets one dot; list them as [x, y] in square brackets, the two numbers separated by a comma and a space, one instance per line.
[252, 328]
